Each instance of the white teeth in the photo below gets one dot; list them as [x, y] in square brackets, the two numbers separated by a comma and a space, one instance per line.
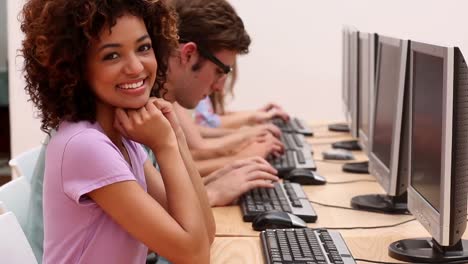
[131, 85]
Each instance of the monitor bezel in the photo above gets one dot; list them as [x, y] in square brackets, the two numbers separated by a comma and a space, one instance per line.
[388, 177]
[437, 223]
[352, 115]
[345, 69]
[364, 139]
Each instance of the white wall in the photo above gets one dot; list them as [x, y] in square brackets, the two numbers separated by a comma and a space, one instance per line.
[295, 57]
[24, 128]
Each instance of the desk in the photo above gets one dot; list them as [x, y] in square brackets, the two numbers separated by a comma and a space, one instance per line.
[237, 242]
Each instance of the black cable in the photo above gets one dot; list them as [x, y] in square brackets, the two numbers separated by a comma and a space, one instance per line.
[334, 206]
[339, 162]
[386, 262]
[369, 227]
[344, 207]
[352, 181]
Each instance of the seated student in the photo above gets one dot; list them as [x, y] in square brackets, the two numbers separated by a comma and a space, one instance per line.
[90, 68]
[223, 186]
[210, 111]
[257, 141]
[200, 67]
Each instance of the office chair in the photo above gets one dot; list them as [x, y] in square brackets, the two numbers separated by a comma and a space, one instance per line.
[14, 247]
[15, 197]
[24, 163]
[2, 208]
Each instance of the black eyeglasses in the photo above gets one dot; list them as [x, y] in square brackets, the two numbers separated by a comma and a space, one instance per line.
[208, 55]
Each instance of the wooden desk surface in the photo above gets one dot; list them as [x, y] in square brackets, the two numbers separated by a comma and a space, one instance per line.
[238, 250]
[229, 219]
[236, 242]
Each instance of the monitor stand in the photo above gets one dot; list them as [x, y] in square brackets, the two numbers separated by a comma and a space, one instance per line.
[357, 167]
[347, 144]
[427, 250]
[381, 203]
[338, 127]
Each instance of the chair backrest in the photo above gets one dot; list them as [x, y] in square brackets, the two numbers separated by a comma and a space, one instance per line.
[24, 163]
[14, 247]
[15, 196]
[2, 208]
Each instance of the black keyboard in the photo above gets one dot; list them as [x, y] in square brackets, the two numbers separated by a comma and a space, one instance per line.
[304, 246]
[293, 125]
[287, 197]
[292, 159]
[292, 140]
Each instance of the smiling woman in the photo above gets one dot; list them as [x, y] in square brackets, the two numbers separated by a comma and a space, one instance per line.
[90, 69]
[121, 70]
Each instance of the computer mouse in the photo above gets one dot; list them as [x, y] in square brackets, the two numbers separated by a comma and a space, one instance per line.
[337, 154]
[305, 177]
[277, 220]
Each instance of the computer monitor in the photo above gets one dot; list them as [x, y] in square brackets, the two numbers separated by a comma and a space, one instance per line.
[437, 192]
[366, 77]
[345, 68]
[365, 95]
[349, 87]
[387, 154]
[349, 60]
[353, 96]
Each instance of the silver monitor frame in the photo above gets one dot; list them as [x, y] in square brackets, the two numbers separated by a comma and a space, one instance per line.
[438, 224]
[364, 139]
[388, 177]
[352, 117]
[345, 68]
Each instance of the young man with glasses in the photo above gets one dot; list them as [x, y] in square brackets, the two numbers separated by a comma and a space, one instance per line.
[211, 37]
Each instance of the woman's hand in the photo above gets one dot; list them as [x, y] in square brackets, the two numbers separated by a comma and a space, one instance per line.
[151, 125]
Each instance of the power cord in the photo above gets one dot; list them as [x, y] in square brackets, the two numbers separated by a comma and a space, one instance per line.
[343, 207]
[333, 206]
[369, 227]
[352, 181]
[339, 162]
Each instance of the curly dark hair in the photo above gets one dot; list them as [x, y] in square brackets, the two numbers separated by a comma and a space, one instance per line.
[58, 34]
[213, 24]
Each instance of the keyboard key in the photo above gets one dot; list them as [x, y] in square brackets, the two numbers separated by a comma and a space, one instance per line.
[300, 157]
[298, 140]
[298, 123]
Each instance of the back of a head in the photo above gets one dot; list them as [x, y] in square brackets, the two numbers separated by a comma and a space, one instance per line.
[214, 24]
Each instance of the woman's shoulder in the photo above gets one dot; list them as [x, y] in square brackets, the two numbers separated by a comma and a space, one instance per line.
[79, 135]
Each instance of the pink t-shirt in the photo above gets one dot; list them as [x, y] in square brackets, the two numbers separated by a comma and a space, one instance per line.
[81, 158]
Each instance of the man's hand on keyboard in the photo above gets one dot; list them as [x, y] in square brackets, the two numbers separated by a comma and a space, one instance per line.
[261, 129]
[226, 185]
[260, 117]
[262, 146]
[273, 106]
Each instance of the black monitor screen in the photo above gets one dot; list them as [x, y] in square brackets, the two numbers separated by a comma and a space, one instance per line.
[363, 86]
[386, 100]
[426, 136]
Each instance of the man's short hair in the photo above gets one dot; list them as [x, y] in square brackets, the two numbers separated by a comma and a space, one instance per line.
[213, 24]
